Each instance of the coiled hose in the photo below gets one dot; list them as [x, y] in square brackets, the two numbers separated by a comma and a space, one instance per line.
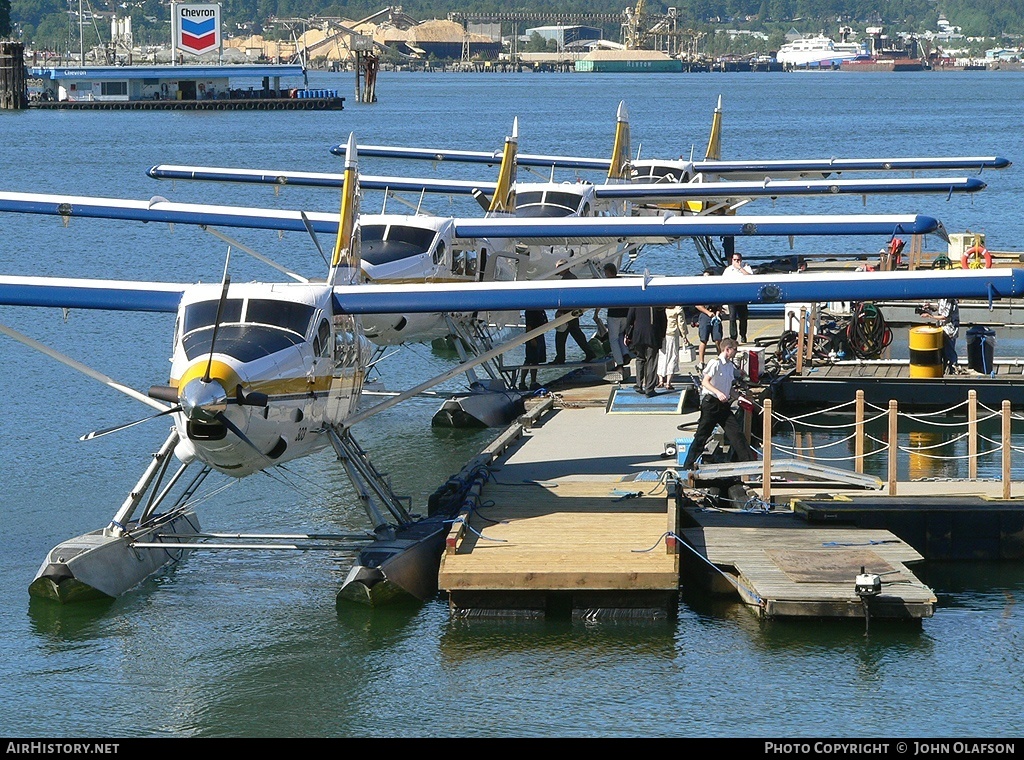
[867, 334]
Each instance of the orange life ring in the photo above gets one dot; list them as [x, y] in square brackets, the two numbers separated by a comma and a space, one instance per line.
[975, 257]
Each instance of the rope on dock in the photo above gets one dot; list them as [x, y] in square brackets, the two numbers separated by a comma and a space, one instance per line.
[681, 542]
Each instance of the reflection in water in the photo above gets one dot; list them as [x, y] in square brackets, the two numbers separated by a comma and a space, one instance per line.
[929, 446]
[69, 622]
[465, 639]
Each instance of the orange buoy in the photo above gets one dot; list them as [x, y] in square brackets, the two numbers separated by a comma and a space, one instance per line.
[976, 257]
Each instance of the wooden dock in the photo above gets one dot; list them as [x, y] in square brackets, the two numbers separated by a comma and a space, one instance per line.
[559, 529]
[587, 515]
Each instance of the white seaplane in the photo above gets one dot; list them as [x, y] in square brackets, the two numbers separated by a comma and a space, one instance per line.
[264, 373]
[637, 186]
[428, 249]
[661, 171]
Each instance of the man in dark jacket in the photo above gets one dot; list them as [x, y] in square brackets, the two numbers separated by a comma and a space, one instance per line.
[645, 332]
[572, 327]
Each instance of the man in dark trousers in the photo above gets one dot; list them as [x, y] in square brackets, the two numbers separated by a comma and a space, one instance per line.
[716, 407]
[645, 332]
[572, 327]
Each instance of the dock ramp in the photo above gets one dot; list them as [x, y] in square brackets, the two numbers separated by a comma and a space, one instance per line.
[792, 468]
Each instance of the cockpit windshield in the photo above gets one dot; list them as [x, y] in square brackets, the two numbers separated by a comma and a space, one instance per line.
[384, 244]
[546, 203]
[268, 326]
[657, 173]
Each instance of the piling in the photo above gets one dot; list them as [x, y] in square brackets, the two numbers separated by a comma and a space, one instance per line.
[13, 79]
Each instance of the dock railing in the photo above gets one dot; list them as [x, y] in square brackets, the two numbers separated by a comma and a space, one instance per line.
[889, 447]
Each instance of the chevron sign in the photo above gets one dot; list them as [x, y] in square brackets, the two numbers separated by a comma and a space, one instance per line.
[198, 27]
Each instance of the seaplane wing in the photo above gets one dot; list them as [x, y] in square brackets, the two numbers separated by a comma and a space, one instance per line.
[668, 228]
[317, 179]
[754, 170]
[636, 192]
[159, 209]
[738, 169]
[668, 291]
[477, 157]
[110, 295]
[541, 231]
[66, 292]
[774, 188]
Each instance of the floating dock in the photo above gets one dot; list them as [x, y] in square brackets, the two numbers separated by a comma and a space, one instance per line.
[587, 514]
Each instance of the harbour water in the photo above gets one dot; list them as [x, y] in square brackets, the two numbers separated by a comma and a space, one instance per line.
[232, 645]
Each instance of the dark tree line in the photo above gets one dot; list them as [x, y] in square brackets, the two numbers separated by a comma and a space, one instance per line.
[52, 24]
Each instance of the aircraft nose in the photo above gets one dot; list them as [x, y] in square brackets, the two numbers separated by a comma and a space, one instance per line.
[203, 399]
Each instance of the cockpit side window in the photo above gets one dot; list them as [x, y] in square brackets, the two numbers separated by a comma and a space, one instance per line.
[322, 341]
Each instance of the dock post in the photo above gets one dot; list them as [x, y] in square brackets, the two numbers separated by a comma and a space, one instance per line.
[766, 451]
[894, 450]
[858, 463]
[801, 327]
[1007, 448]
[972, 435]
[13, 78]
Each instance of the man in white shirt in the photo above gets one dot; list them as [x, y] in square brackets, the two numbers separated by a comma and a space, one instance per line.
[716, 407]
[738, 312]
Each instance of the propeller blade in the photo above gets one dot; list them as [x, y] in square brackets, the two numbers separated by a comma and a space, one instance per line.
[79, 367]
[107, 431]
[220, 311]
[222, 418]
[164, 393]
[312, 233]
[482, 199]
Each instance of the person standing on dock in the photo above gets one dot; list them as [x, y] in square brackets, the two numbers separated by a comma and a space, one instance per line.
[645, 333]
[946, 314]
[709, 326]
[572, 327]
[617, 327]
[738, 312]
[668, 356]
[536, 348]
[716, 384]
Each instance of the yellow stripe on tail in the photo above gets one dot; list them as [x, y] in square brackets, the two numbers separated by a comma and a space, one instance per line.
[345, 259]
[714, 152]
[504, 199]
[621, 168]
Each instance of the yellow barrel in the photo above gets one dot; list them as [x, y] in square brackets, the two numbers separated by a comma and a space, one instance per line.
[926, 351]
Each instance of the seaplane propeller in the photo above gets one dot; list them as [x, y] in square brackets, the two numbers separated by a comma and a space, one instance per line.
[202, 400]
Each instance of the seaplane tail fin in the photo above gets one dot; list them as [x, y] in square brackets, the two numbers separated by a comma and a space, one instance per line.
[504, 198]
[714, 152]
[621, 168]
[345, 259]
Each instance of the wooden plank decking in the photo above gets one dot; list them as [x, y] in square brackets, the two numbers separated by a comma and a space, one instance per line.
[559, 529]
[786, 572]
